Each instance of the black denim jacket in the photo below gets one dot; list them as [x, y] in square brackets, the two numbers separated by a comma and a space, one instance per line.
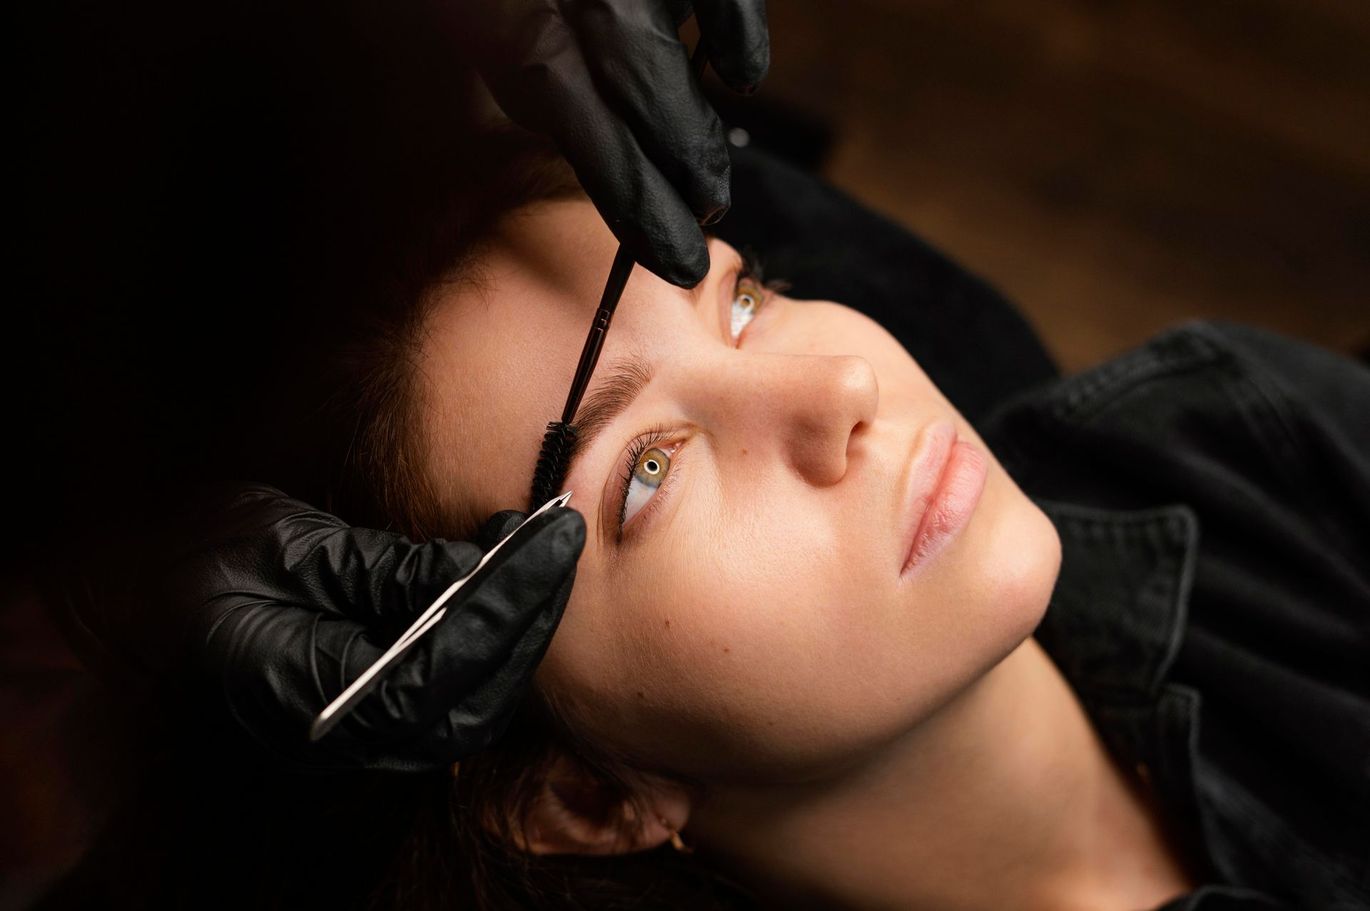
[1212, 492]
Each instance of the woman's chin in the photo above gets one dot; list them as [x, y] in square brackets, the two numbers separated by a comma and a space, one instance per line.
[1008, 563]
[1026, 559]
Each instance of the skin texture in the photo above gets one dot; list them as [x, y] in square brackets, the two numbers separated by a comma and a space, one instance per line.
[753, 630]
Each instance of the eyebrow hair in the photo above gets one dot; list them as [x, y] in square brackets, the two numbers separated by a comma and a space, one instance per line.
[609, 397]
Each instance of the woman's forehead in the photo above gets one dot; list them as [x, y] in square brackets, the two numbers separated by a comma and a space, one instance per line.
[499, 354]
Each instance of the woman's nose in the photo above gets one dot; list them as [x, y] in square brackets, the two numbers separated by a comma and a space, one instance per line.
[808, 406]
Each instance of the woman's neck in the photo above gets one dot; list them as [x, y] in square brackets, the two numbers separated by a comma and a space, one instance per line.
[1005, 798]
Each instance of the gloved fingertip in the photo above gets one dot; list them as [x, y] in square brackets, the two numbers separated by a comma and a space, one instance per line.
[498, 526]
[687, 274]
[741, 53]
[757, 66]
[682, 264]
[714, 216]
[567, 530]
[746, 78]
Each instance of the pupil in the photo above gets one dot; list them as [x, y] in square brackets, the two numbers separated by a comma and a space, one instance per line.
[652, 466]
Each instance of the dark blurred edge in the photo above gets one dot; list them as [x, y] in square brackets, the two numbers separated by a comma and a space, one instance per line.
[795, 136]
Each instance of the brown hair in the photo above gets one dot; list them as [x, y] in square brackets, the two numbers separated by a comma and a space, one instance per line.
[462, 851]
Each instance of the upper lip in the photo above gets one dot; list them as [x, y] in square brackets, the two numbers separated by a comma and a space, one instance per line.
[932, 452]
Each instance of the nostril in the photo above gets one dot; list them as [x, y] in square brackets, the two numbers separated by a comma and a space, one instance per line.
[830, 437]
[856, 440]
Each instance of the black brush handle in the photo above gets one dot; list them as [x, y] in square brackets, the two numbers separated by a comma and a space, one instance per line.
[589, 354]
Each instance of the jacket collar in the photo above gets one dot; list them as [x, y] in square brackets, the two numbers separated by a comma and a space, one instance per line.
[1116, 621]
[1120, 608]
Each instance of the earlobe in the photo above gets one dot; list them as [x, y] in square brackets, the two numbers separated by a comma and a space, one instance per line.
[573, 814]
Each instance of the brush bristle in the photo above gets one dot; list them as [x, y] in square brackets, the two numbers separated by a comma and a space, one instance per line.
[557, 444]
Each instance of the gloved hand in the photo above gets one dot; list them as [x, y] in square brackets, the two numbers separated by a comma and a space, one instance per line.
[285, 605]
[610, 82]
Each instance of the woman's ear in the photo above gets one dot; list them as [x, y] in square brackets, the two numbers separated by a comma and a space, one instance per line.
[575, 814]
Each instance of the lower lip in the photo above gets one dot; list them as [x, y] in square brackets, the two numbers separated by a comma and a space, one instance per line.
[952, 504]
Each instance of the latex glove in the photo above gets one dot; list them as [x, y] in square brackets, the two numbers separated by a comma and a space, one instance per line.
[288, 605]
[610, 82]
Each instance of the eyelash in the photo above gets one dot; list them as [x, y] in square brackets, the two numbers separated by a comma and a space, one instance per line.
[752, 268]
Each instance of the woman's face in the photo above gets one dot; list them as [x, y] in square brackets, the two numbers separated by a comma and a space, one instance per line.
[754, 619]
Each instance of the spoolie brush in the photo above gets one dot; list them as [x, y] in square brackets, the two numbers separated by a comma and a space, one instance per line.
[558, 443]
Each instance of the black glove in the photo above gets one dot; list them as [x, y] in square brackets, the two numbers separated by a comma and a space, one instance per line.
[610, 82]
[284, 605]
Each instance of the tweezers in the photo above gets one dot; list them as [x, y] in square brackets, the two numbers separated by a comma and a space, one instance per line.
[431, 617]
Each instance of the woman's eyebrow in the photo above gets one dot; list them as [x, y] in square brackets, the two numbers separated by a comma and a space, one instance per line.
[609, 397]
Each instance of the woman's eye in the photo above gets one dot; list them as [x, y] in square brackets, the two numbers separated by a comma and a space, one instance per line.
[746, 302]
[649, 471]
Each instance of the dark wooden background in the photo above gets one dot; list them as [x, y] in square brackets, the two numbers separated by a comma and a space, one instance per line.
[1114, 166]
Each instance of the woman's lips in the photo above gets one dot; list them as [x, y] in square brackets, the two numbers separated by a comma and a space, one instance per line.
[944, 487]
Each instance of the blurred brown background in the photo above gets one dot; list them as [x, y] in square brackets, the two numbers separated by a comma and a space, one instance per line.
[1113, 166]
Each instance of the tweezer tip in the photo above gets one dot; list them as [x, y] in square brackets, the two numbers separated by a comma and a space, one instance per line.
[320, 727]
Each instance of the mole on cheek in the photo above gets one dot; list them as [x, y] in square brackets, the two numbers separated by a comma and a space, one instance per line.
[668, 624]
